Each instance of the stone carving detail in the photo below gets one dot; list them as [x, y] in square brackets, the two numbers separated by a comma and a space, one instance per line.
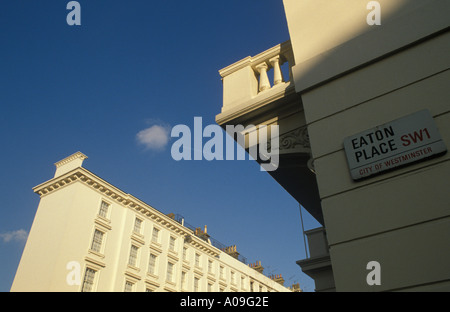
[294, 138]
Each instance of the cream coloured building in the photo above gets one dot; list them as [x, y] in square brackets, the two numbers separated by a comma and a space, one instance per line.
[350, 69]
[88, 235]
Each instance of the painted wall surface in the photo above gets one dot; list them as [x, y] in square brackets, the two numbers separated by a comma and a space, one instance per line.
[352, 77]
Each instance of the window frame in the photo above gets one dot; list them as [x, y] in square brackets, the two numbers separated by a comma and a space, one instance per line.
[171, 278]
[132, 286]
[172, 243]
[93, 283]
[98, 245]
[158, 236]
[138, 225]
[155, 264]
[106, 215]
[135, 257]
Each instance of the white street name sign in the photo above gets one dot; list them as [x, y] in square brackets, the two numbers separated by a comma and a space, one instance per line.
[403, 141]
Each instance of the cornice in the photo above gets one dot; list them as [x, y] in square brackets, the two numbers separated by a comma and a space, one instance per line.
[280, 96]
[199, 244]
[96, 183]
[132, 275]
[95, 262]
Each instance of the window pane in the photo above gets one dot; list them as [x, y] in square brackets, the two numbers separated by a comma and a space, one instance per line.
[197, 260]
[88, 281]
[133, 255]
[97, 241]
[137, 225]
[195, 284]
[152, 264]
[155, 235]
[172, 243]
[128, 286]
[103, 209]
[210, 266]
[183, 280]
[169, 272]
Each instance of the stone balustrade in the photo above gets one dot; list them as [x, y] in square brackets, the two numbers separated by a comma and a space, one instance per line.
[248, 79]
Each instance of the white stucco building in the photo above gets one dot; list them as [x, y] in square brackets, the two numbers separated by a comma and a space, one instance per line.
[88, 235]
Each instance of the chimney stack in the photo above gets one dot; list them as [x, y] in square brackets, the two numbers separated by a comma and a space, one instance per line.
[278, 278]
[257, 266]
[202, 234]
[232, 251]
[69, 163]
[296, 288]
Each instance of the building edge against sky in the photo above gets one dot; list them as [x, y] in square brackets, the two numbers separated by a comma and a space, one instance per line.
[347, 77]
[88, 235]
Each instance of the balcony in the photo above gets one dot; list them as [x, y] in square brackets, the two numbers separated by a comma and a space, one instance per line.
[247, 86]
[318, 264]
[258, 90]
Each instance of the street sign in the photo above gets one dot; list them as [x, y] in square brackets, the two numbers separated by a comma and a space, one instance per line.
[403, 141]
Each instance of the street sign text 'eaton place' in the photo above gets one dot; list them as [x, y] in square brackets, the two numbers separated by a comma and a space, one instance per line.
[403, 141]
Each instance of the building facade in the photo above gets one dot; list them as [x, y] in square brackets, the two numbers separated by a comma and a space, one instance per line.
[351, 68]
[88, 235]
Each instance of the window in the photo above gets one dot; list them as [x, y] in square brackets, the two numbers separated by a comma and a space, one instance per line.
[184, 253]
[104, 207]
[137, 226]
[197, 260]
[88, 281]
[169, 276]
[172, 243]
[210, 266]
[155, 235]
[210, 287]
[222, 272]
[196, 282]
[132, 260]
[251, 286]
[183, 280]
[152, 264]
[242, 282]
[233, 278]
[97, 241]
[128, 286]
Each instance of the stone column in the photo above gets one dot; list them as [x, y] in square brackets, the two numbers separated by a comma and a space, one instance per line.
[264, 83]
[277, 76]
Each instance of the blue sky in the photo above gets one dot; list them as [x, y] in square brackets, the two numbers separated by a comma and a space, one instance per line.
[132, 65]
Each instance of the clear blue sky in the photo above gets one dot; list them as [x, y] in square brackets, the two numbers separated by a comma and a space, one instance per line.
[129, 66]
